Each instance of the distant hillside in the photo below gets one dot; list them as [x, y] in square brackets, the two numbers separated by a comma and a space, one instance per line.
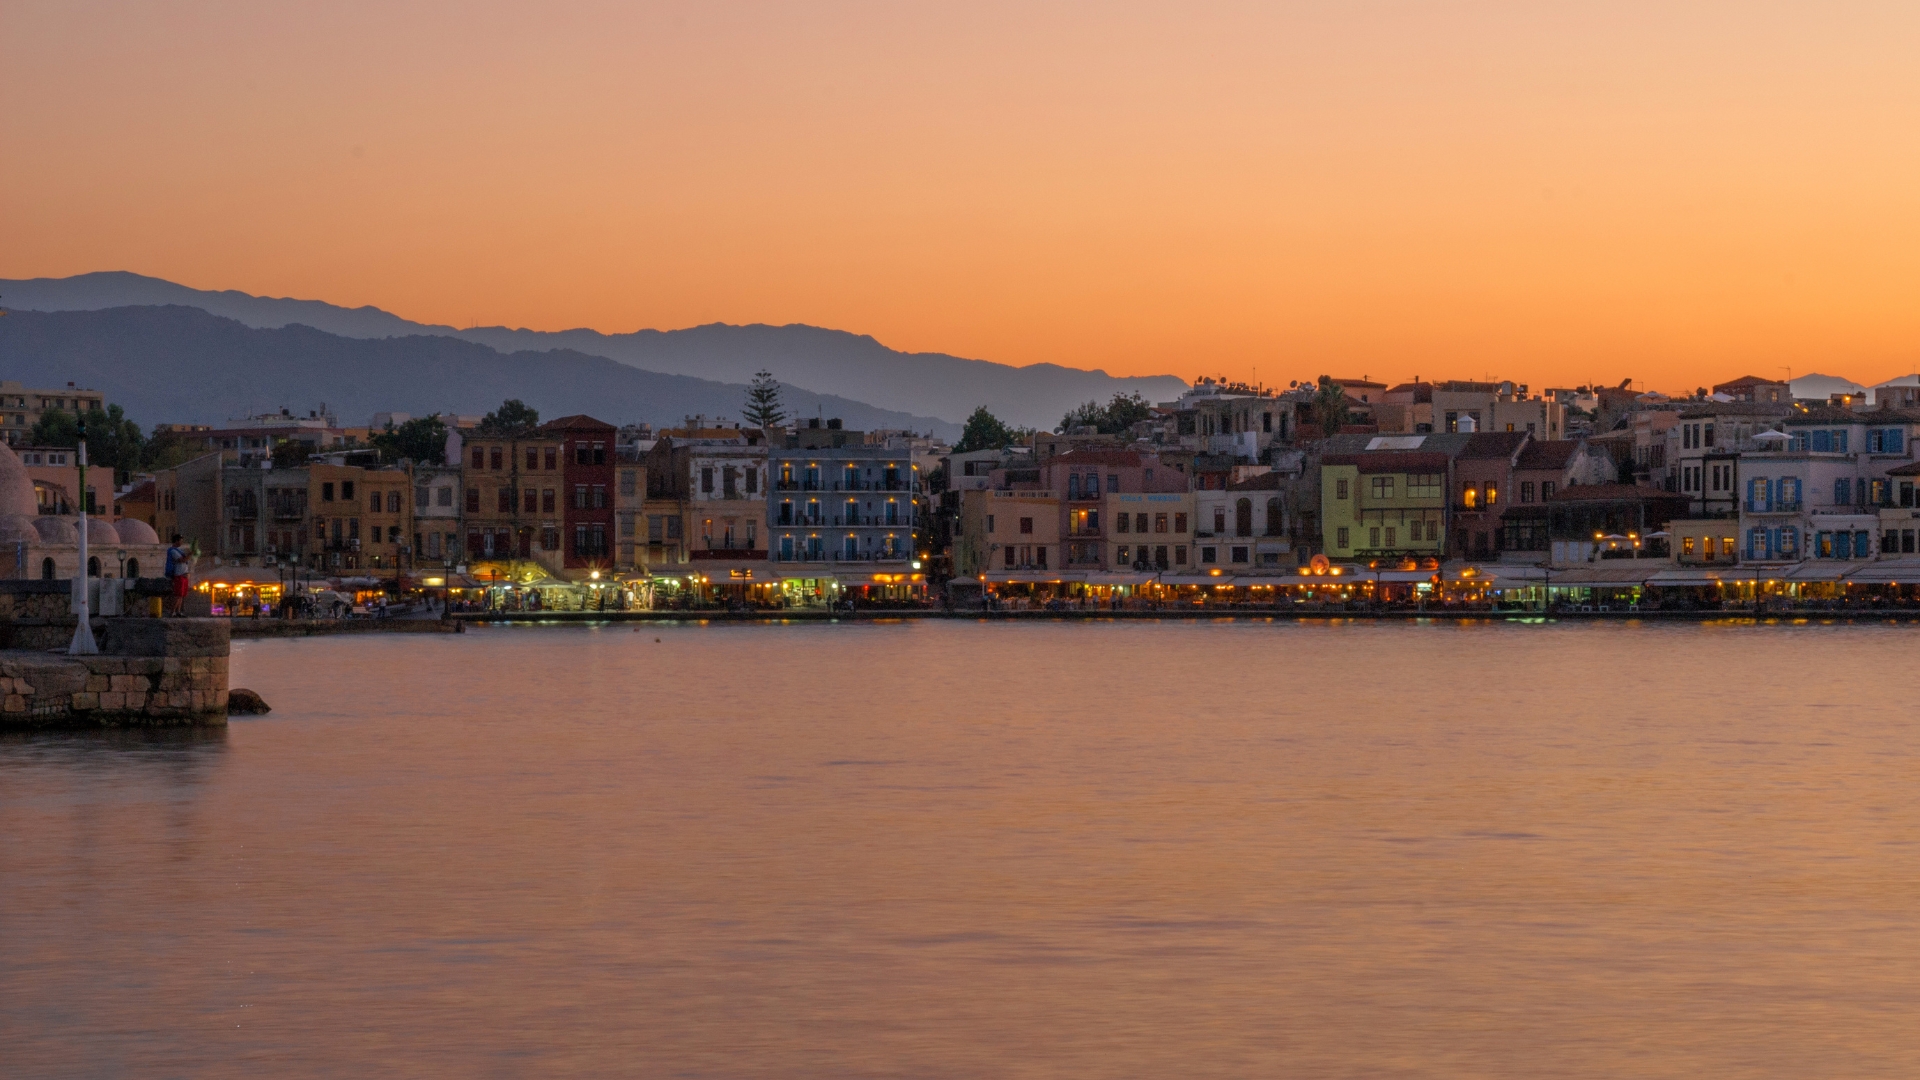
[852, 366]
[183, 365]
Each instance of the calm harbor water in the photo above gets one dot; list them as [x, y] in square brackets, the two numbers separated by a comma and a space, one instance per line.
[951, 849]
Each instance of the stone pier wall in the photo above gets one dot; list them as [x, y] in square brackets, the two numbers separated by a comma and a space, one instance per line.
[149, 671]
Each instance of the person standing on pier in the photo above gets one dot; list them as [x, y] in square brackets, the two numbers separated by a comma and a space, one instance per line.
[179, 563]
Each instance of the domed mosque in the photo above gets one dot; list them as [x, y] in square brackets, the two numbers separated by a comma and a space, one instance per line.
[47, 546]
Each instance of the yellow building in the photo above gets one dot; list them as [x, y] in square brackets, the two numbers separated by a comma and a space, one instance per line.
[1384, 504]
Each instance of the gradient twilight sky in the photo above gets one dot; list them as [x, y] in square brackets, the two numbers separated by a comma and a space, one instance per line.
[1551, 192]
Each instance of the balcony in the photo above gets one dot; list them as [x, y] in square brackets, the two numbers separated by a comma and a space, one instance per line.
[840, 557]
[1775, 506]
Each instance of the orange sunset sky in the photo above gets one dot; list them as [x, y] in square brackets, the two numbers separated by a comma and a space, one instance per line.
[1550, 192]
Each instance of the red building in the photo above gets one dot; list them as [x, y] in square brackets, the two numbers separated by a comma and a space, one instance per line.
[587, 475]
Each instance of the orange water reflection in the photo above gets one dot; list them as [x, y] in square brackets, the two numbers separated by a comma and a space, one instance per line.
[1194, 849]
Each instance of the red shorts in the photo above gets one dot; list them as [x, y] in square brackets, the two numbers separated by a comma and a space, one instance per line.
[180, 585]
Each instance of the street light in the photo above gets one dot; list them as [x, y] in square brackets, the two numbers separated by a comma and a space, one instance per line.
[83, 643]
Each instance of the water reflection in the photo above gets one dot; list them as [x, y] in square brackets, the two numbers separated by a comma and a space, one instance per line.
[1182, 849]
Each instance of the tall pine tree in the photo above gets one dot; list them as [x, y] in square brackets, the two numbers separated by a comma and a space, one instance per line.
[764, 408]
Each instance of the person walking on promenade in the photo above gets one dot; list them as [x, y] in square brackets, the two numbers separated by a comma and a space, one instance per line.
[179, 563]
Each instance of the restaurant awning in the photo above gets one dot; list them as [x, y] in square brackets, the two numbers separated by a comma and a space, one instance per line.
[1015, 577]
[1618, 577]
[1115, 577]
[237, 575]
[1692, 576]
[1891, 572]
[1809, 571]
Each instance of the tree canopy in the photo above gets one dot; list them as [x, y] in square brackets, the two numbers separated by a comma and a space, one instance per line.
[113, 441]
[422, 439]
[1330, 406]
[1114, 418]
[513, 417]
[984, 431]
[764, 408]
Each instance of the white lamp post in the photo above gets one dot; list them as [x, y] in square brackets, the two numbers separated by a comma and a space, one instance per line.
[83, 643]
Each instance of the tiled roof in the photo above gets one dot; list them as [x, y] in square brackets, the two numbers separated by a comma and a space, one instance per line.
[1547, 454]
[1612, 493]
[1125, 459]
[1263, 482]
[1826, 414]
[1707, 410]
[1492, 444]
[1391, 461]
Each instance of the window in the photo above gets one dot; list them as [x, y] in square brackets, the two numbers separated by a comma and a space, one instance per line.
[443, 497]
[1340, 537]
[599, 496]
[1340, 489]
[1121, 523]
[552, 455]
[1179, 554]
[1179, 523]
[393, 502]
[989, 522]
[753, 482]
[1470, 496]
[1546, 489]
[1686, 546]
[1373, 537]
[582, 454]
[1139, 523]
[532, 501]
[421, 497]
[493, 458]
[1238, 554]
[1113, 483]
[533, 458]
[600, 458]
[1382, 487]
[1073, 486]
[1123, 556]
[326, 492]
[1208, 555]
[1393, 536]
[1423, 486]
[353, 528]
[473, 500]
[479, 457]
[346, 491]
[1493, 494]
[579, 496]
[506, 500]
[1842, 491]
[706, 481]
[1026, 524]
[548, 500]
[549, 538]
[1526, 491]
[1159, 523]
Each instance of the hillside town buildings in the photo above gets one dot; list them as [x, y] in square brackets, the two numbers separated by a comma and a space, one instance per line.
[1412, 492]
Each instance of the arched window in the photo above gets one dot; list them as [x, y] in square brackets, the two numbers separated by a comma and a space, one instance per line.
[1243, 518]
[46, 569]
[93, 566]
[1276, 517]
[133, 567]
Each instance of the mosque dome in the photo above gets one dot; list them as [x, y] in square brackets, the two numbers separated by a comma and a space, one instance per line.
[101, 533]
[54, 530]
[135, 531]
[17, 527]
[16, 487]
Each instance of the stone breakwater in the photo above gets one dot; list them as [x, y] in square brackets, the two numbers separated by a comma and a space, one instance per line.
[149, 671]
